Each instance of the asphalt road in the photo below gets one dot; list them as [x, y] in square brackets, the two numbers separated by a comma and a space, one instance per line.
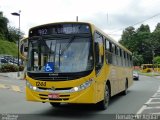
[12, 101]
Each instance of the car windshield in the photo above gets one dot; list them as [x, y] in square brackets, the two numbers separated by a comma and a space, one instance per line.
[60, 55]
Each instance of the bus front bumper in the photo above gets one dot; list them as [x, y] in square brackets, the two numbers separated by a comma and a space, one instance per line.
[84, 96]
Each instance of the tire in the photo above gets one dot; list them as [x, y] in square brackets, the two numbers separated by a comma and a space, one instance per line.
[126, 88]
[55, 104]
[102, 105]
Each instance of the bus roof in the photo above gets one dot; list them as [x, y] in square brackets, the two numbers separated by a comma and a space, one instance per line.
[93, 27]
[146, 64]
[58, 23]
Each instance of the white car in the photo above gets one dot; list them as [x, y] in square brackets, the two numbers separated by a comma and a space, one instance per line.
[135, 75]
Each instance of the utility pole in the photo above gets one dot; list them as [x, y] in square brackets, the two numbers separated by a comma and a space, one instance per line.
[153, 53]
[107, 19]
[18, 14]
[76, 18]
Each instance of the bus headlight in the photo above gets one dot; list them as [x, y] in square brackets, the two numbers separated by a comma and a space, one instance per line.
[34, 88]
[31, 87]
[82, 86]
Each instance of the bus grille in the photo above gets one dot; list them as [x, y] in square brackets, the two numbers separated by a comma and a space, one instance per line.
[68, 88]
[55, 78]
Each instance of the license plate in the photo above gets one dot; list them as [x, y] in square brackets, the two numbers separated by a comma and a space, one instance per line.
[53, 95]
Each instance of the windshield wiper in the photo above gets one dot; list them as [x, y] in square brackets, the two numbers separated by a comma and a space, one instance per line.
[59, 55]
[68, 45]
[50, 49]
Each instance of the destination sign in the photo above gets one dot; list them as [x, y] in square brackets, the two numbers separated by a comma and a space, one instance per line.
[59, 29]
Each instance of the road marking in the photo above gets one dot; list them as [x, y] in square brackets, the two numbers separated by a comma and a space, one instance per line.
[150, 101]
[141, 109]
[12, 87]
[3, 86]
[15, 88]
[144, 107]
[155, 99]
[156, 95]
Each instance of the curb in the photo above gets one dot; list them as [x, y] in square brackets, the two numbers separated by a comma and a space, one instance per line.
[157, 77]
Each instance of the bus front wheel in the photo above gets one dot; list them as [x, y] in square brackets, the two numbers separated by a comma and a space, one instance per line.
[102, 105]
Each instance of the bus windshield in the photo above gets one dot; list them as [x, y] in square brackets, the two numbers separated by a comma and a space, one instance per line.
[60, 54]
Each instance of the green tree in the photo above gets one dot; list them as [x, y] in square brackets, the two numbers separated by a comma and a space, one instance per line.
[157, 28]
[156, 60]
[137, 42]
[143, 28]
[144, 44]
[8, 35]
[142, 37]
[127, 38]
[137, 59]
[155, 41]
[3, 26]
[13, 34]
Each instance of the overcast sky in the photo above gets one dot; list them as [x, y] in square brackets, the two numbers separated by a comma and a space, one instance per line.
[112, 16]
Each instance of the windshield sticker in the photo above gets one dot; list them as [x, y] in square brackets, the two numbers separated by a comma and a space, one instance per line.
[49, 67]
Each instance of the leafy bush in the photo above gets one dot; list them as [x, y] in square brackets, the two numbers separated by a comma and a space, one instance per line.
[21, 68]
[11, 68]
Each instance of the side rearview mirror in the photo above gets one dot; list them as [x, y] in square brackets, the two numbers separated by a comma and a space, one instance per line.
[23, 49]
[98, 56]
[96, 53]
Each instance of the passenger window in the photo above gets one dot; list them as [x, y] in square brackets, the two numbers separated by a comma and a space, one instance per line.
[116, 50]
[99, 51]
[113, 48]
[110, 47]
[120, 52]
[124, 54]
[107, 45]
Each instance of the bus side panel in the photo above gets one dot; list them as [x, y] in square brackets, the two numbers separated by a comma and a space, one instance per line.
[113, 80]
[118, 76]
[126, 75]
[101, 79]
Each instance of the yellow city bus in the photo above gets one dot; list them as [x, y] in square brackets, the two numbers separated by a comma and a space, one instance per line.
[75, 62]
[150, 68]
[146, 68]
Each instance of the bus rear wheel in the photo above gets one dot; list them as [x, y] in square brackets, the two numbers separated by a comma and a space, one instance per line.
[102, 105]
[55, 104]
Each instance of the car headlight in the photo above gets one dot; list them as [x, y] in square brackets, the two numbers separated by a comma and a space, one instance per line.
[82, 86]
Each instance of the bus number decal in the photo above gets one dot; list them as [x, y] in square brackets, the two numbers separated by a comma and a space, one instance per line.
[40, 84]
[42, 32]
